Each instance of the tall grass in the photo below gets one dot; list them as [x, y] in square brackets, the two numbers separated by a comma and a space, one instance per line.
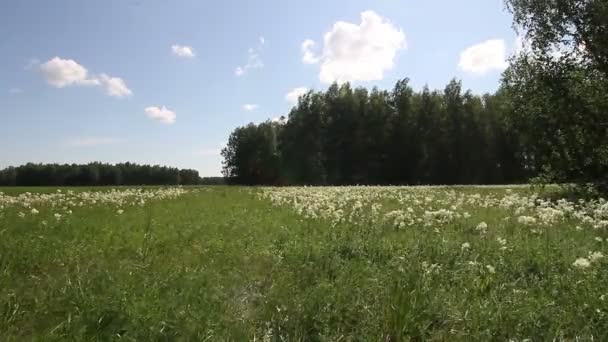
[222, 263]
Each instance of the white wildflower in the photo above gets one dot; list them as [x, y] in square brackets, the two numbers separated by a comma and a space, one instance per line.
[595, 256]
[482, 227]
[526, 220]
[581, 263]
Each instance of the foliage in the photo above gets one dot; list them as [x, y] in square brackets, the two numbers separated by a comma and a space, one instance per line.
[93, 174]
[250, 156]
[563, 111]
[573, 27]
[353, 136]
[557, 87]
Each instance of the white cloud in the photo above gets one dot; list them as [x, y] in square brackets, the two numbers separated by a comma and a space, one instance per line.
[115, 86]
[65, 72]
[484, 57]
[61, 73]
[250, 107]
[92, 141]
[293, 96]
[15, 91]
[262, 40]
[162, 114]
[353, 52]
[254, 60]
[308, 56]
[183, 51]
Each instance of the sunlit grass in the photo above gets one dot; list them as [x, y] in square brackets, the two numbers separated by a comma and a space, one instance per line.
[229, 263]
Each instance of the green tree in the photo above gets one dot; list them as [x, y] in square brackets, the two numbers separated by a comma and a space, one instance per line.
[557, 87]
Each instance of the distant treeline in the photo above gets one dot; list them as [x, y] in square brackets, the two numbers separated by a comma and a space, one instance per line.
[355, 136]
[100, 174]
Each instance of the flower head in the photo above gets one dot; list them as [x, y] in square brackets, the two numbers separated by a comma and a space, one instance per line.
[581, 263]
[482, 227]
[595, 256]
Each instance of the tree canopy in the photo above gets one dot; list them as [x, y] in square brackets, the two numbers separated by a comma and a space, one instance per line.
[96, 174]
[557, 86]
[355, 136]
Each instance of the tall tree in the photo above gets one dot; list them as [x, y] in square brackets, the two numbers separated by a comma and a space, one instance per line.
[557, 87]
[353, 136]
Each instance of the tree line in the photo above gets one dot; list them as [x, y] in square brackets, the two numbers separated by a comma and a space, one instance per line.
[98, 174]
[355, 136]
[548, 120]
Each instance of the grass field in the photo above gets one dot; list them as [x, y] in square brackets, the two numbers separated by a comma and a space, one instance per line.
[301, 264]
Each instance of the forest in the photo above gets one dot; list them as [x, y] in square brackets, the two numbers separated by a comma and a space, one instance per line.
[97, 174]
[354, 136]
[547, 122]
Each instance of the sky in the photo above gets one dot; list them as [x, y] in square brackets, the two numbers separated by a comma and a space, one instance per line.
[166, 81]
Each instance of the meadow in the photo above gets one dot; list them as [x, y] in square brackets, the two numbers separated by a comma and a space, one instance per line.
[301, 264]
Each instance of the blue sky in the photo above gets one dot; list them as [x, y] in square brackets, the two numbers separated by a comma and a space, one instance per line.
[165, 82]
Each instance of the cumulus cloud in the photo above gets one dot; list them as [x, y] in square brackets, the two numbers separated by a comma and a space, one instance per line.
[352, 52]
[254, 59]
[65, 72]
[484, 57]
[183, 51]
[308, 56]
[62, 73]
[293, 96]
[115, 86]
[250, 107]
[161, 114]
[92, 141]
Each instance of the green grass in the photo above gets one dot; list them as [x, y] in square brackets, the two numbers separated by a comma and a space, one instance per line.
[221, 263]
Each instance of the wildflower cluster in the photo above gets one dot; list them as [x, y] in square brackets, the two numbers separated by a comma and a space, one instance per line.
[62, 203]
[435, 207]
